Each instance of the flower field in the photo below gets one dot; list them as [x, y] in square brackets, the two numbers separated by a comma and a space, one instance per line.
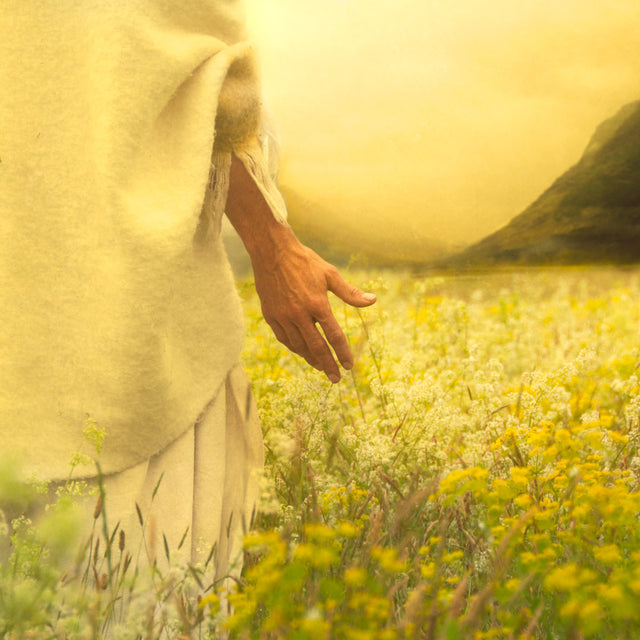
[475, 476]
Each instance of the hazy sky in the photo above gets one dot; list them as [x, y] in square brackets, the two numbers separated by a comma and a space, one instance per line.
[453, 114]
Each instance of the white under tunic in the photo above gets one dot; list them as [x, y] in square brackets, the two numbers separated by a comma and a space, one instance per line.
[117, 302]
[199, 493]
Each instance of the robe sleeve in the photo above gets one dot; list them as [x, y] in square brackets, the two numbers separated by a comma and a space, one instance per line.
[241, 130]
[114, 113]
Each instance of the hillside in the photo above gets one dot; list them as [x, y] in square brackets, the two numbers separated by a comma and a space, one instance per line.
[590, 214]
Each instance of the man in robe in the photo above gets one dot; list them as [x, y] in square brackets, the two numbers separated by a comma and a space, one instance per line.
[128, 129]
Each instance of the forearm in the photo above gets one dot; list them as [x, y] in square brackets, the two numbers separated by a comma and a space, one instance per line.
[291, 280]
[263, 236]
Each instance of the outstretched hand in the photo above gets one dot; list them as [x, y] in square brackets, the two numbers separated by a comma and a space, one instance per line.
[293, 292]
[291, 280]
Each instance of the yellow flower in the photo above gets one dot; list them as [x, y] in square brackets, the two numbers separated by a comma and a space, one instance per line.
[545, 520]
[523, 501]
[591, 617]
[388, 559]
[617, 437]
[355, 577]
[211, 600]
[615, 597]
[452, 556]
[520, 477]
[608, 554]
[563, 437]
[593, 438]
[427, 571]
[315, 556]
[348, 530]
[564, 578]
[319, 533]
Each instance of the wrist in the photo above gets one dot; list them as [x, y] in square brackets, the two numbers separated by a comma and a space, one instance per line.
[263, 236]
[266, 244]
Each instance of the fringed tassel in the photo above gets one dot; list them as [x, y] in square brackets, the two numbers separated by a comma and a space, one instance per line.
[215, 197]
[251, 156]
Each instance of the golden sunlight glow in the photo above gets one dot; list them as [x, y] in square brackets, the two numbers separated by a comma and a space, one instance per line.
[449, 114]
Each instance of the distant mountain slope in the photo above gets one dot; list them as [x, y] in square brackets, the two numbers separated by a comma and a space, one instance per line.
[591, 214]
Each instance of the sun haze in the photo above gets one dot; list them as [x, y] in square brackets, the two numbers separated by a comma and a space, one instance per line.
[449, 117]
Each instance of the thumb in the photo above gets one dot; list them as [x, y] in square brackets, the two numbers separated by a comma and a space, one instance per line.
[350, 294]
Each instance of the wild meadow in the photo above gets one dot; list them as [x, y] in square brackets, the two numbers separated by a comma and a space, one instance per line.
[475, 476]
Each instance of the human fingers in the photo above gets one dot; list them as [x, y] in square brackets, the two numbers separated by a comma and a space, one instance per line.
[319, 350]
[308, 343]
[347, 292]
[336, 338]
[293, 340]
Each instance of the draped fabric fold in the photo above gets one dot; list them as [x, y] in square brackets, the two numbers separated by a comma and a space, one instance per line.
[117, 301]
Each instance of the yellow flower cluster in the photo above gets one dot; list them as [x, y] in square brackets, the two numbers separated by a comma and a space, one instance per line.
[477, 475]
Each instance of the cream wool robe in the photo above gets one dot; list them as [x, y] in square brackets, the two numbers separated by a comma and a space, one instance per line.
[116, 299]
